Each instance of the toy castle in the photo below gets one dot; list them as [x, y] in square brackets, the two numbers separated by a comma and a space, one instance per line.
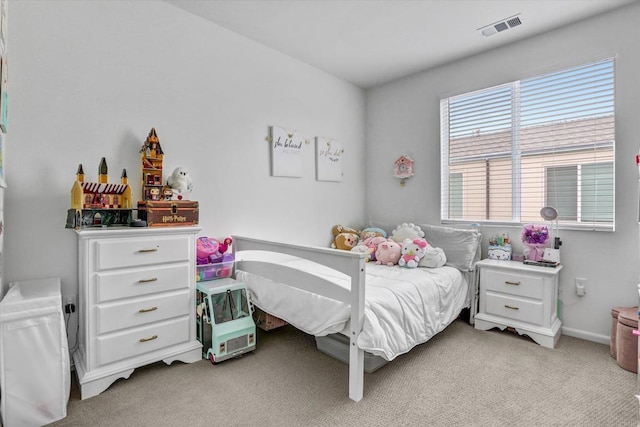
[152, 157]
[99, 203]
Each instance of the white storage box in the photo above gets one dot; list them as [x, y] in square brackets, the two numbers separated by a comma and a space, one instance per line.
[337, 346]
[35, 377]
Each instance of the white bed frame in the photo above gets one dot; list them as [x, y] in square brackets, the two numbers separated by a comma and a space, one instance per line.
[350, 263]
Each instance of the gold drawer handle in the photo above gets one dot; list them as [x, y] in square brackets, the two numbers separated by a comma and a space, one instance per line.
[510, 307]
[148, 250]
[512, 283]
[148, 339]
[153, 279]
[146, 310]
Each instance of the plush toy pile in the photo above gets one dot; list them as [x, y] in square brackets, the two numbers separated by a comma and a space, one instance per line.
[406, 246]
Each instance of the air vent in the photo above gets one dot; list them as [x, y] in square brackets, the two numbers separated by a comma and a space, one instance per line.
[514, 22]
[500, 26]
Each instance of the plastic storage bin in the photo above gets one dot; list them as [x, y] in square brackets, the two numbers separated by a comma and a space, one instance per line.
[218, 270]
[337, 346]
[35, 378]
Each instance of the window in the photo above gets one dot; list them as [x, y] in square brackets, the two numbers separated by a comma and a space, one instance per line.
[509, 150]
[455, 195]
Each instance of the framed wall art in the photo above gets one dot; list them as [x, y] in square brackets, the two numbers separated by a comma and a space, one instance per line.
[286, 152]
[328, 159]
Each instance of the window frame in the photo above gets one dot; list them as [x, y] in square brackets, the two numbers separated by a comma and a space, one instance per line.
[516, 157]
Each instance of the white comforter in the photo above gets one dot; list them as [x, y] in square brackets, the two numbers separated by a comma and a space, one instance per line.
[404, 307]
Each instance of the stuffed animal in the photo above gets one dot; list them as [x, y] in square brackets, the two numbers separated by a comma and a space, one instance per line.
[180, 183]
[344, 238]
[345, 241]
[388, 253]
[373, 243]
[372, 232]
[435, 257]
[361, 248]
[412, 251]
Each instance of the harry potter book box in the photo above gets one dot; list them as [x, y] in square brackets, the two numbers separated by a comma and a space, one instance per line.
[170, 213]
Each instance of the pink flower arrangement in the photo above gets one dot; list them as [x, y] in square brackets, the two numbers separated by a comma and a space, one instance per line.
[534, 237]
[534, 234]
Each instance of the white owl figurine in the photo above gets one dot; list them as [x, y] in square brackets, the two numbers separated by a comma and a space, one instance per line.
[181, 183]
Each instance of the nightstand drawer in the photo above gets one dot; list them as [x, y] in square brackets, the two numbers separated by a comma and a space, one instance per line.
[132, 252]
[112, 317]
[128, 283]
[132, 343]
[514, 283]
[514, 308]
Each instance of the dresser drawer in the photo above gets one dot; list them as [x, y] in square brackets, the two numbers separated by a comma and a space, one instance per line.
[514, 308]
[112, 317]
[513, 283]
[112, 285]
[139, 251]
[119, 346]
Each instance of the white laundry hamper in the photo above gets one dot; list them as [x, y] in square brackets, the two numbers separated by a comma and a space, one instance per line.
[35, 377]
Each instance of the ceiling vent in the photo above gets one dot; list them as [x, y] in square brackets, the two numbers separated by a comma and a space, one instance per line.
[498, 27]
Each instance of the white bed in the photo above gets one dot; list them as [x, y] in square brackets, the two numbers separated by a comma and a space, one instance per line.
[321, 291]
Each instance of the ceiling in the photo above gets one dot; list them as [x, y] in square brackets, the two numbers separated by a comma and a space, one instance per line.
[369, 42]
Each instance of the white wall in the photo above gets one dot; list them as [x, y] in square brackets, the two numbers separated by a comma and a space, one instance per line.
[403, 117]
[90, 79]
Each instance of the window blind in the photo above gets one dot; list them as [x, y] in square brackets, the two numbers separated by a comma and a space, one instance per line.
[509, 150]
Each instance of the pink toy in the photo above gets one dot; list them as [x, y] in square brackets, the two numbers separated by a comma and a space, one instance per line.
[388, 253]
[412, 251]
[210, 250]
[372, 243]
[205, 247]
[225, 245]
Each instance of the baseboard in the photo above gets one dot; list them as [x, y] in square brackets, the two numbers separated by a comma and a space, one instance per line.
[588, 336]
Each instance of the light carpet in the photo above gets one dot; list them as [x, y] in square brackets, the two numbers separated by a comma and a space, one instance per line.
[461, 377]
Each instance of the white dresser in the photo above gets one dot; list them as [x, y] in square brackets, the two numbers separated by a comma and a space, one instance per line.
[136, 302]
[520, 297]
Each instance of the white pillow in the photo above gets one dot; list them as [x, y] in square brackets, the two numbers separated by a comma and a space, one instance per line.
[459, 245]
[407, 231]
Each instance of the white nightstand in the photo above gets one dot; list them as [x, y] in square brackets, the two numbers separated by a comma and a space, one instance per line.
[519, 297]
